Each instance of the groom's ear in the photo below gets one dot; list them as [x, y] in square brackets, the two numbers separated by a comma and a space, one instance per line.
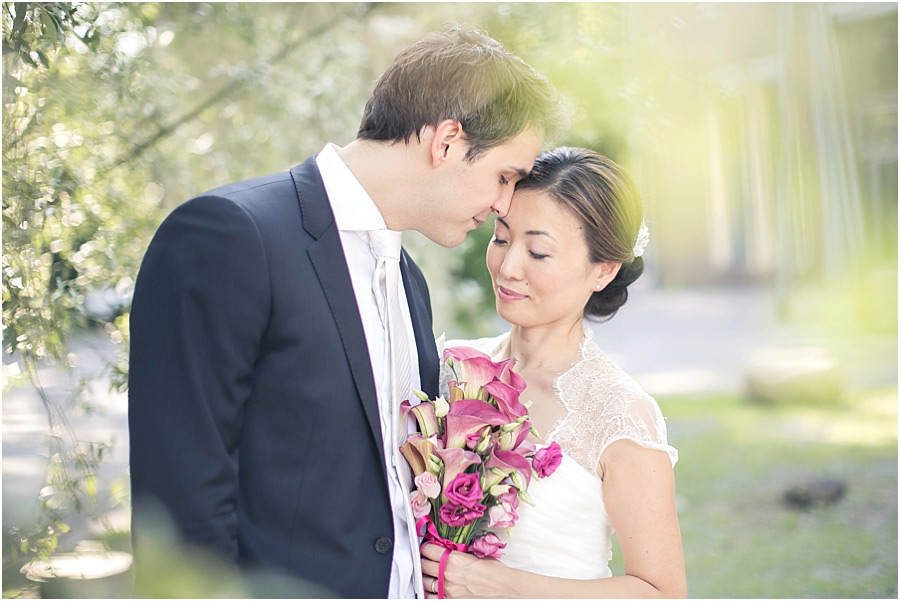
[447, 142]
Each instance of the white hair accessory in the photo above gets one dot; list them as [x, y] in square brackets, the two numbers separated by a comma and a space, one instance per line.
[640, 243]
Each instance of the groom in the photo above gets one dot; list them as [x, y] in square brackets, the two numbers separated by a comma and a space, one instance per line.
[260, 408]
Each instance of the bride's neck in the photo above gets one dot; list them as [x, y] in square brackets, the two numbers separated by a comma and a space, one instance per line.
[547, 348]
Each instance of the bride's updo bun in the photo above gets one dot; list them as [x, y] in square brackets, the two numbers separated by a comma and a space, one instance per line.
[606, 202]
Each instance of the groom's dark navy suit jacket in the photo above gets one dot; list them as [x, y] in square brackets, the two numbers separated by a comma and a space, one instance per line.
[253, 416]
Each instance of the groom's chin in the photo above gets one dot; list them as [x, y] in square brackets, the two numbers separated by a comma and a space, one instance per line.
[448, 239]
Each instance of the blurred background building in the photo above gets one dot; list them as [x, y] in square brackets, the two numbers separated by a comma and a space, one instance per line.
[782, 163]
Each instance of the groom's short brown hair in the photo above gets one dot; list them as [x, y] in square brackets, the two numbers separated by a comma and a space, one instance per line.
[462, 74]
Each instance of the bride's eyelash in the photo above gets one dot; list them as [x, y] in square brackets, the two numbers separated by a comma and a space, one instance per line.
[537, 256]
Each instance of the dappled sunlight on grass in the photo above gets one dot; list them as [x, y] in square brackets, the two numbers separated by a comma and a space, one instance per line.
[736, 462]
[872, 421]
[868, 420]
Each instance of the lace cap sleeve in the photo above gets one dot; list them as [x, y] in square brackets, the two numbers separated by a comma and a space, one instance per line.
[605, 405]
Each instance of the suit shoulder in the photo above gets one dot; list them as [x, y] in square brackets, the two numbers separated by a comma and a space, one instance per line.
[247, 189]
[267, 201]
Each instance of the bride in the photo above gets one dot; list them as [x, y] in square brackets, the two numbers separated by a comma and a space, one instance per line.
[567, 251]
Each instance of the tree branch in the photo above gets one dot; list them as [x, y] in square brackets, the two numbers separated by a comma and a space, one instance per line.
[237, 83]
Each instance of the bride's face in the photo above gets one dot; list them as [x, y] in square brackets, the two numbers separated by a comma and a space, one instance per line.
[539, 265]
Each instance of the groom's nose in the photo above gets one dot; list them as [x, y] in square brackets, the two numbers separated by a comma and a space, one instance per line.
[501, 205]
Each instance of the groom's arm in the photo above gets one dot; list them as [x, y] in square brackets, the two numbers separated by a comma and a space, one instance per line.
[200, 307]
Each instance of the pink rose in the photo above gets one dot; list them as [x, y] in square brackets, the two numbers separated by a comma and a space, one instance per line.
[428, 485]
[456, 515]
[546, 460]
[464, 490]
[419, 503]
[488, 545]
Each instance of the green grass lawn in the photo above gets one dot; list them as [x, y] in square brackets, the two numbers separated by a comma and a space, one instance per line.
[740, 538]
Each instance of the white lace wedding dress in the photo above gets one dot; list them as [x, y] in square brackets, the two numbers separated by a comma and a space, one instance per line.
[567, 533]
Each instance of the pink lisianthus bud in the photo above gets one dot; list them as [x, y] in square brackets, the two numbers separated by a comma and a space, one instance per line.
[502, 515]
[488, 545]
[499, 490]
[547, 460]
[428, 485]
[456, 515]
[464, 490]
[419, 503]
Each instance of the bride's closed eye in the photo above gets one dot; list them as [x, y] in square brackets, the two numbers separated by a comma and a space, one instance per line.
[537, 256]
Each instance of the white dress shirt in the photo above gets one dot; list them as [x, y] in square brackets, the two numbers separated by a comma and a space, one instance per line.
[355, 216]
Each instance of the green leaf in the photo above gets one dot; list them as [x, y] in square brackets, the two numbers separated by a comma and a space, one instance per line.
[49, 25]
[19, 20]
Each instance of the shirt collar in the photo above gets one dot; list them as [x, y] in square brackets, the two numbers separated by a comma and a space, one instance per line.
[352, 206]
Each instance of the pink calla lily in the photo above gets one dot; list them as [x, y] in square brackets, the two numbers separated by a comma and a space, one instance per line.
[509, 377]
[469, 417]
[505, 462]
[474, 369]
[526, 448]
[507, 399]
[456, 392]
[462, 352]
[417, 451]
[424, 414]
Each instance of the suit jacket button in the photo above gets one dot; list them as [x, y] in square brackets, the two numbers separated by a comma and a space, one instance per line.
[383, 545]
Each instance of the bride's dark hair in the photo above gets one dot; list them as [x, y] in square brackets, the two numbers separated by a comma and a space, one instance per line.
[606, 202]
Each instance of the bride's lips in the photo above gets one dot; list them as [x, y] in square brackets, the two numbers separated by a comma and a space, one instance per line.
[508, 296]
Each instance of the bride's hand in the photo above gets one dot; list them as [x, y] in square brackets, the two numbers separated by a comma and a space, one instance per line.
[465, 575]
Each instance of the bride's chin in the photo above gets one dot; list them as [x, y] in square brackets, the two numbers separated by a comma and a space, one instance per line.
[504, 314]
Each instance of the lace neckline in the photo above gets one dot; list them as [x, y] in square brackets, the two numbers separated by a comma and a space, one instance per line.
[587, 341]
[600, 404]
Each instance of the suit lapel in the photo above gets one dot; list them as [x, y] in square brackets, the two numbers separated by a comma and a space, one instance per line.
[327, 257]
[420, 312]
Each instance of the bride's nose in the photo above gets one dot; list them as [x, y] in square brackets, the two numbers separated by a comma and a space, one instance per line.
[511, 266]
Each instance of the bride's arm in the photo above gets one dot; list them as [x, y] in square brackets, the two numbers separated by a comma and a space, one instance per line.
[639, 494]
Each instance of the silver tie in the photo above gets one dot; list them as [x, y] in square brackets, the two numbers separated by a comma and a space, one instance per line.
[386, 286]
[386, 247]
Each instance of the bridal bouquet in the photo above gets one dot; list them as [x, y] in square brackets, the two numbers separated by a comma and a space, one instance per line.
[470, 460]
